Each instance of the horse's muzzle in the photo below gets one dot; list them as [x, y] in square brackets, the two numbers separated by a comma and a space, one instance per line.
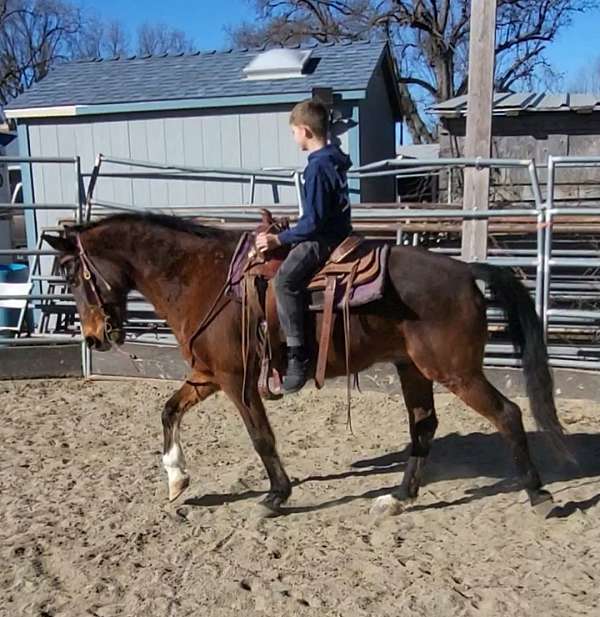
[96, 344]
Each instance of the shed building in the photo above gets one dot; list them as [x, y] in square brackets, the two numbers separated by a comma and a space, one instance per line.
[214, 109]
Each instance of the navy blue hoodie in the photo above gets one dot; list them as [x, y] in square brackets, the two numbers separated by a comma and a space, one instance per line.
[326, 214]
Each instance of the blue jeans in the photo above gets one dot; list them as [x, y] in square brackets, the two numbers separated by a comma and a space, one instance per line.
[293, 276]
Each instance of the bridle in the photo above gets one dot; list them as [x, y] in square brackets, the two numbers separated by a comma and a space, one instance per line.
[91, 275]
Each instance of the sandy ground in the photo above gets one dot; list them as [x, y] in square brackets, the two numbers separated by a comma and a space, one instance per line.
[86, 528]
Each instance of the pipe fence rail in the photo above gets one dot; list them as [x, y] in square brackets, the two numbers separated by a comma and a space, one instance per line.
[555, 273]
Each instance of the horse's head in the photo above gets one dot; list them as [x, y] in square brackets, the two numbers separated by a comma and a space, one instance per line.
[98, 285]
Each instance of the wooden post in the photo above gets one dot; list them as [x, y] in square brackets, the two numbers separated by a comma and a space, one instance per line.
[478, 140]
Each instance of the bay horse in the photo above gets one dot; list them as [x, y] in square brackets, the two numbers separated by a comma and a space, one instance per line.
[430, 323]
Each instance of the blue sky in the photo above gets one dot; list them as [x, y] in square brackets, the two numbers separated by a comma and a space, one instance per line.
[205, 21]
[577, 46]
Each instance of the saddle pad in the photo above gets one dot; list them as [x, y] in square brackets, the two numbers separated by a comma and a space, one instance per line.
[238, 263]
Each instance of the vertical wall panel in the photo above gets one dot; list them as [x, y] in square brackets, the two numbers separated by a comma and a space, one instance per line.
[175, 155]
[67, 147]
[155, 137]
[212, 148]
[250, 149]
[269, 151]
[53, 190]
[120, 148]
[231, 156]
[84, 147]
[105, 188]
[138, 146]
[193, 138]
[37, 169]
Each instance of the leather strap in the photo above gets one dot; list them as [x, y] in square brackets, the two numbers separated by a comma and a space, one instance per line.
[346, 314]
[326, 330]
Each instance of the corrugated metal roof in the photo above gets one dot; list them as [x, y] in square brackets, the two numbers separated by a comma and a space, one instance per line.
[418, 151]
[196, 76]
[525, 102]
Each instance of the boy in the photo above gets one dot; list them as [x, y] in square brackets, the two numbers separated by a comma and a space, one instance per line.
[324, 223]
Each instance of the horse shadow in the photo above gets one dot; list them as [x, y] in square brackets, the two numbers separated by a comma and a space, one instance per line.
[458, 457]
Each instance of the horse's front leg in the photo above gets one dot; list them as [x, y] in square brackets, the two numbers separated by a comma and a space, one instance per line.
[258, 426]
[192, 392]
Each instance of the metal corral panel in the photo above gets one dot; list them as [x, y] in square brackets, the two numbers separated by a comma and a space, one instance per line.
[230, 139]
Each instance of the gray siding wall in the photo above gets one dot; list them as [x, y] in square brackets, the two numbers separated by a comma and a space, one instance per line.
[377, 138]
[232, 138]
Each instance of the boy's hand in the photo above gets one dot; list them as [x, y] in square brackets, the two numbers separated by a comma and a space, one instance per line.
[267, 242]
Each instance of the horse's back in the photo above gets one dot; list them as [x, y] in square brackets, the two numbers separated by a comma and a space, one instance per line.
[430, 283]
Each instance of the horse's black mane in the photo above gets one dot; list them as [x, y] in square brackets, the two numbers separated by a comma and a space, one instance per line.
[162, 220]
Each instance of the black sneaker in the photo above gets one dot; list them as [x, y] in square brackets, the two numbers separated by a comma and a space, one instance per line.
[297, 366]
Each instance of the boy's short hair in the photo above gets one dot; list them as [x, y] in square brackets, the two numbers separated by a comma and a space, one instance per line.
[313, 114]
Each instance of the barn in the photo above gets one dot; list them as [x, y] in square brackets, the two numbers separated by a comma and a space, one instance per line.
[533, 125]
[219, 110]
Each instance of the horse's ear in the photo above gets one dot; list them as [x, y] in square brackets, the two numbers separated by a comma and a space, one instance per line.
[61, 244]
[267, 217]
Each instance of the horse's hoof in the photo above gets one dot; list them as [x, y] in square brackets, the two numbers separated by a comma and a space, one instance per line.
[542, 503]
[272, 503]
[266, 511]
[177, 487]
[387, 505]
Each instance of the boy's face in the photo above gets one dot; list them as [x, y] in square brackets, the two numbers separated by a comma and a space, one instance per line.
[301, 135]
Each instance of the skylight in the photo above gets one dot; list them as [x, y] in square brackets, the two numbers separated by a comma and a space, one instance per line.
[278, 64]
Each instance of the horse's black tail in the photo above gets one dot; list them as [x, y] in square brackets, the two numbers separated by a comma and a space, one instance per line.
[525, 330]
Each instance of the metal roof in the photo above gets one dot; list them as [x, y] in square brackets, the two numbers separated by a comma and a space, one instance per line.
[418, 151]
[196, 76]
[525, 102]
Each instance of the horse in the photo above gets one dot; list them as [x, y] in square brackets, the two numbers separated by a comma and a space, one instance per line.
[430, 324]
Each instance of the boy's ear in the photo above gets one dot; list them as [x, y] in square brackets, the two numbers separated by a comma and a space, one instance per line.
[61, 244]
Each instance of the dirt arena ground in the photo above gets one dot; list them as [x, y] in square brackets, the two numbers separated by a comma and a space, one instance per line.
[86, 528]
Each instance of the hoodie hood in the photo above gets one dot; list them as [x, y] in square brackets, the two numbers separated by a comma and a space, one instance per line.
[334, 155]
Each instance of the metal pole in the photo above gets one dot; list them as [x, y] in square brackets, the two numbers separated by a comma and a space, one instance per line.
[91, 186]
[78, 195]
[252, 189]
[548, 220]
[299, 192]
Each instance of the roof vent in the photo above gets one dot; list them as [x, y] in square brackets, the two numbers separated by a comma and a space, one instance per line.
[278, 64]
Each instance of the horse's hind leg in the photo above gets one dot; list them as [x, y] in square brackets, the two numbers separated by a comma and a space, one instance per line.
[479, 394]
[187, 396]
[418, 397]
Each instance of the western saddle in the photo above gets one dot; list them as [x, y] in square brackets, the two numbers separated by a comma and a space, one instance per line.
[353, 275]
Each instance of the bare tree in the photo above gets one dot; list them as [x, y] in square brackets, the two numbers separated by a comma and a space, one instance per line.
[156, 39]
[33, 35]
[116, 41]
[429, 37]
[587, 79]
[100, 39]
[36, 34]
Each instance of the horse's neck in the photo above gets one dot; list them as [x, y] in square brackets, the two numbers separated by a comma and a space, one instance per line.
[179, 274]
